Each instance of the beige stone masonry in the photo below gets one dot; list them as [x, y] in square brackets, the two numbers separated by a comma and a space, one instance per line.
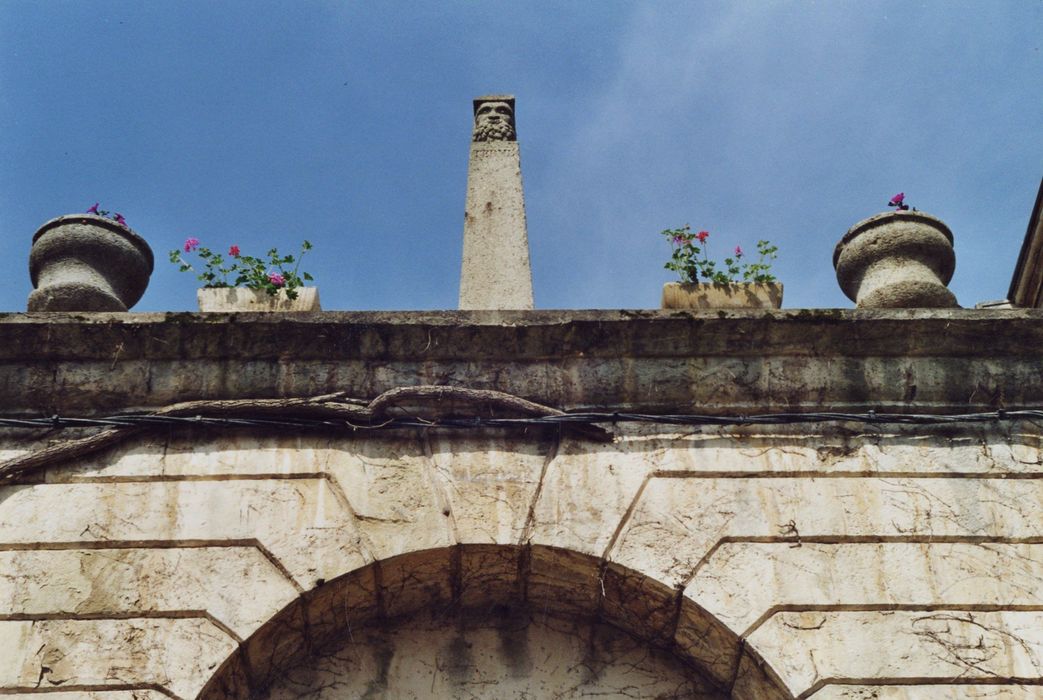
[174, 654]
[745, 583]
[814, 649]
[834, 559]
[941, 691]
[677, 521]
[302, 523]
[125, 581]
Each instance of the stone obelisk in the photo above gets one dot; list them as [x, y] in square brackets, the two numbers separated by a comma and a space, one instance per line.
[496, 273]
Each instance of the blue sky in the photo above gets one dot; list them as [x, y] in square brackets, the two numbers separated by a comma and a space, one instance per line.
[262, 124]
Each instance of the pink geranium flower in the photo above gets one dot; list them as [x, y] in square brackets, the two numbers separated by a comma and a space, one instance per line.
[702, 236]
[678, 240]
[234, 251]
[119, 219]
[276, 279]
[738, 251]
[897, 200]
[94, 209]
[191, 244]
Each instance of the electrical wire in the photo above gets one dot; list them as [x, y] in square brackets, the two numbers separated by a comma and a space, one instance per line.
[390, 423]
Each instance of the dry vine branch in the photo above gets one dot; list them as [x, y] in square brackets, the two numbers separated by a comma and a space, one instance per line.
[336, 406]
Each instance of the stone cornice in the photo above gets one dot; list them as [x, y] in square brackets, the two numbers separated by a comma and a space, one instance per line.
[946, 361]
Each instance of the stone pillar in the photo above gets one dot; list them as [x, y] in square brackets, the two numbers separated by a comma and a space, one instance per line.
[496, 273]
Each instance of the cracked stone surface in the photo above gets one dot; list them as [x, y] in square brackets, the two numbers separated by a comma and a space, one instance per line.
[828, 562]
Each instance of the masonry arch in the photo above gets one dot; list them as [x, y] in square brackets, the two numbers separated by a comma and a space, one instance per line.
[546, 617]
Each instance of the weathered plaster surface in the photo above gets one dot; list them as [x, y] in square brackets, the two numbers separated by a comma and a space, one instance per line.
[829, 560]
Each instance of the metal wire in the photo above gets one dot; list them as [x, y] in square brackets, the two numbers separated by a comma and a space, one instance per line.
[871, 417]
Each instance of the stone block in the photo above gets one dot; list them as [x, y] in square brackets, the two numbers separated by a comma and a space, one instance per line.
[300, 521]
[563, 582]
[122, 582]
[678, 521]
[490, 482]
[418, 581]
[177, 654]
[398, 499]
[490, 577]
[743, 582]
[968, 691]
[812, 649]
[586, 491]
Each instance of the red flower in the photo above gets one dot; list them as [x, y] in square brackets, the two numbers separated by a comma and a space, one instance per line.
[897, 200]
[191, 244]
[234, 251]
[702, 236]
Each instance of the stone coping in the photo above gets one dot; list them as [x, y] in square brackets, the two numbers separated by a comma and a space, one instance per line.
[741, 361]
[389, 335]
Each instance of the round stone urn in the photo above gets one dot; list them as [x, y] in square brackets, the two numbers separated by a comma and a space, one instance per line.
[898, 259]
[84, 262]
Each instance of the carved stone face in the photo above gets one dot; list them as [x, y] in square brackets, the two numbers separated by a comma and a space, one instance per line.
[494, 121]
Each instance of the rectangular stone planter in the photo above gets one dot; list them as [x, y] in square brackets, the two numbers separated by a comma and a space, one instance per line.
[231, 299]
[742, 295]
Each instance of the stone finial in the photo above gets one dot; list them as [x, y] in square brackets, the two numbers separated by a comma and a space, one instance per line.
[494, 118]
[899, 259]
[495, 273]
[84, 262]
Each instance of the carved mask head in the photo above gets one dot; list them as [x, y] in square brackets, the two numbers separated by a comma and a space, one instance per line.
[494, 121]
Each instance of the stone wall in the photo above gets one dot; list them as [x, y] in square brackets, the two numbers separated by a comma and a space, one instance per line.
[833, 559]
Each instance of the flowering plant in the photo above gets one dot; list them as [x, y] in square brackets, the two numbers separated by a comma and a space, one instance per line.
[114, 215]
[271, 275]
[898, 202]
[691, 261]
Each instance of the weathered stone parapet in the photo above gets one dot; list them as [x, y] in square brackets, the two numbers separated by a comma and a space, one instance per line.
[657, 361]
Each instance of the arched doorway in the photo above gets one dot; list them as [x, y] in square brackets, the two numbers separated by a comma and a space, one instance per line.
[492, 621]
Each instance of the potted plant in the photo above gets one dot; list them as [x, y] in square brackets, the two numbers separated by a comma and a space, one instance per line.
[737, 284]
[245, 283]
[898, 259]
[88, 262]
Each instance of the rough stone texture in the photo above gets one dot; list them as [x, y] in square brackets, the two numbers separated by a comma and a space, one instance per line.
[236, 299]
[496, 273]
[84, 262]
[898, 259]
[656, 361]
[811, 649]
[176, 655]
[142, 694]
[832, 559]
[509, 654]
[704, 295]
[943, 691]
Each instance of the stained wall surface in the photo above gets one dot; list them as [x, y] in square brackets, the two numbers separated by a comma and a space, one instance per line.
[829, 559]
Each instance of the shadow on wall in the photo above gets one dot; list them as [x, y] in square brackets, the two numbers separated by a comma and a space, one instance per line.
[492, 620]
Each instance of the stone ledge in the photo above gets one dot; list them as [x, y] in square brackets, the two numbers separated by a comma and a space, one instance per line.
[940, 361]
